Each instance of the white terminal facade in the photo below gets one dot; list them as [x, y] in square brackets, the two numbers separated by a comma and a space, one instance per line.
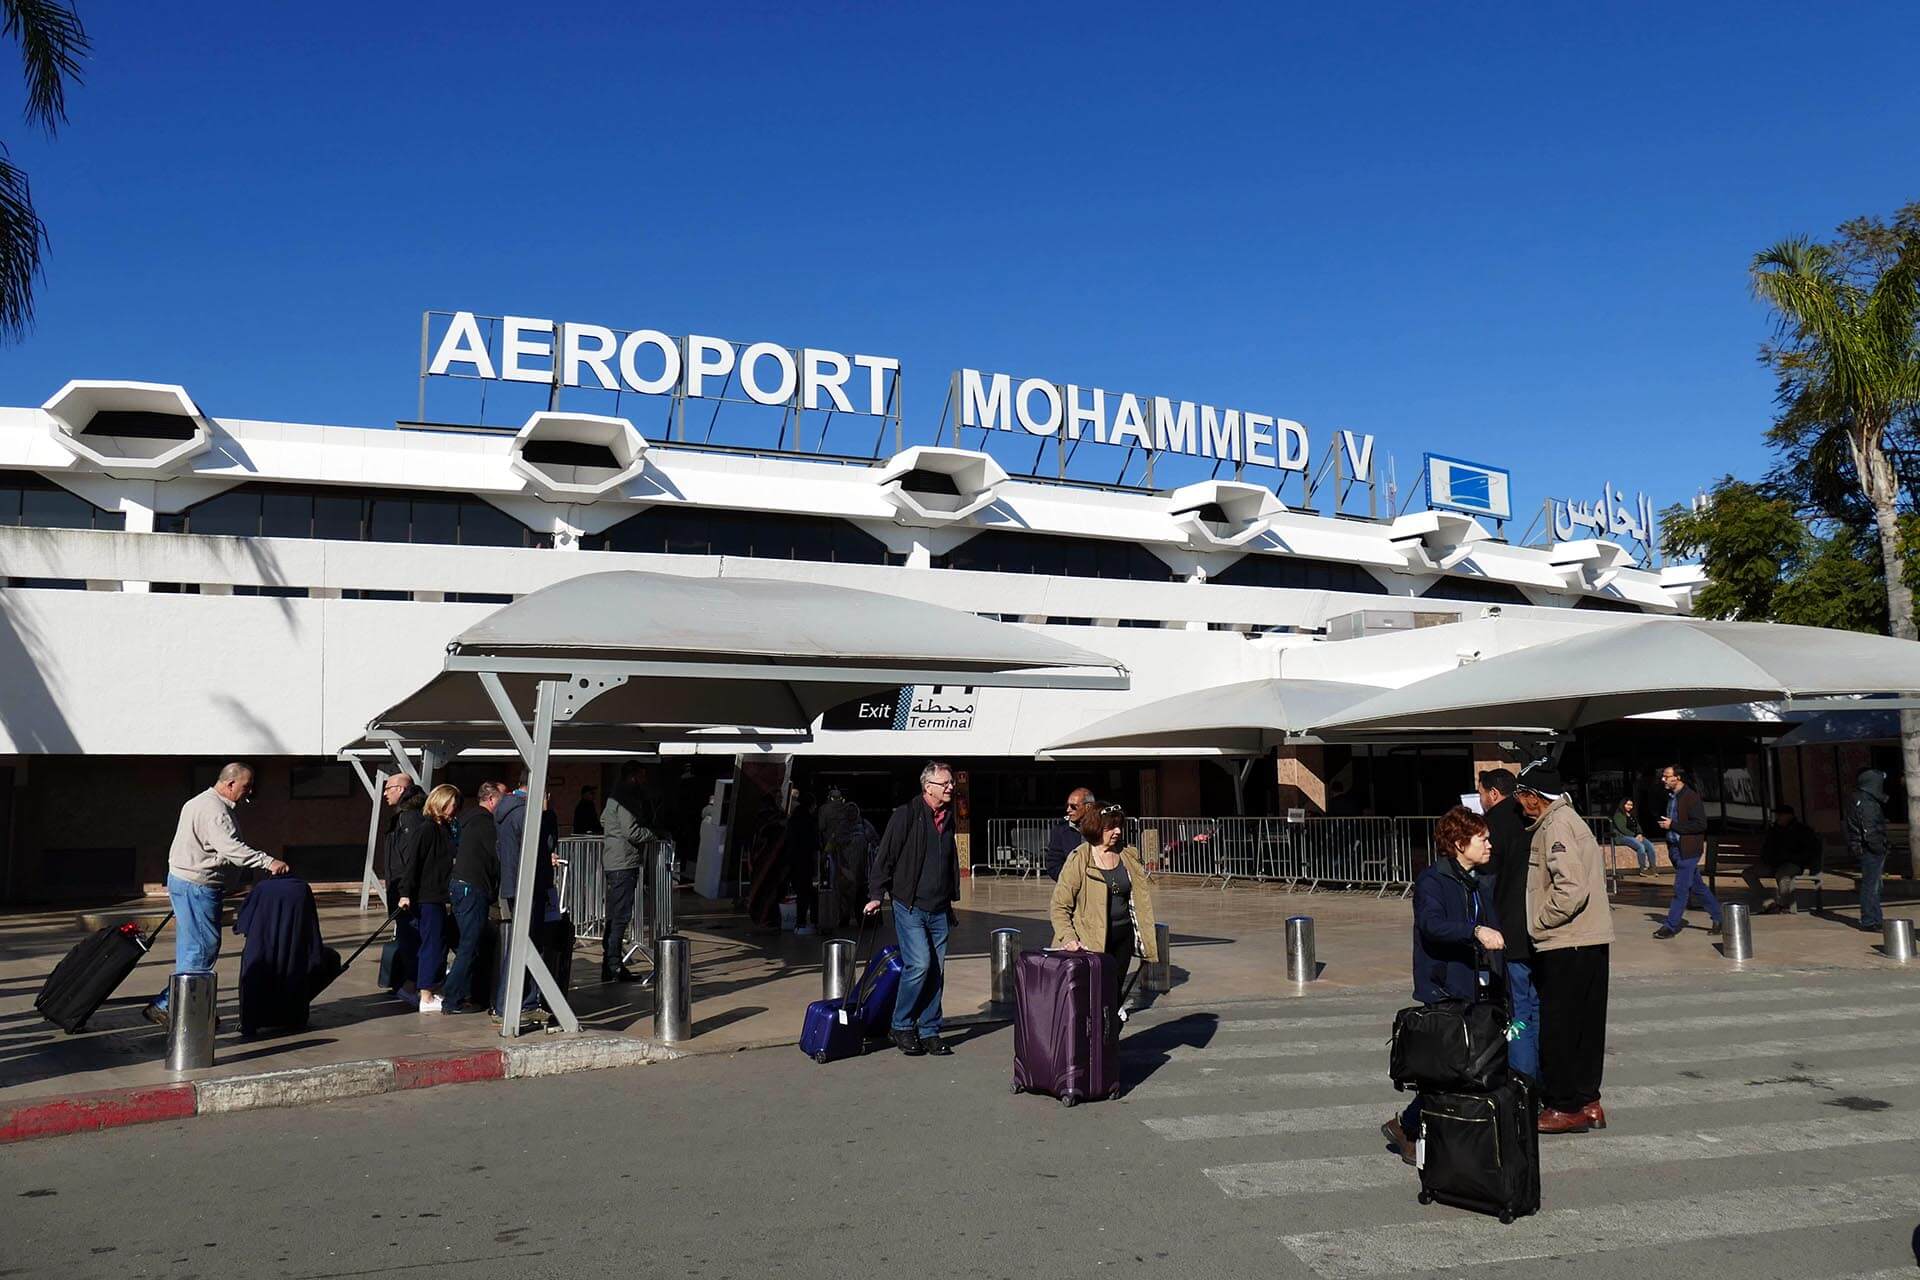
[182, 590]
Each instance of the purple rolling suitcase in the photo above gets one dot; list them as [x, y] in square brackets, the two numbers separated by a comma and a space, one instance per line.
[1066, 1025]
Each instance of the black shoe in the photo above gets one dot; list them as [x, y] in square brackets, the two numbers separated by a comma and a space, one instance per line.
[155, 1014]
[622, 974]
[908, 1043]
[935, 1047]
[1664, 932]
[1714, 930]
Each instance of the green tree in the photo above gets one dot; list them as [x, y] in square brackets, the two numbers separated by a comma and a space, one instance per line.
[52, 45]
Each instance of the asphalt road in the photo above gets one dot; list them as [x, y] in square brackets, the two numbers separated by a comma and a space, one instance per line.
[1763, 1128]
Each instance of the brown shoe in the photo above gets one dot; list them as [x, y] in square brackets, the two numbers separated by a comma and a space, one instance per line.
[1394, 1133]
[1595, 1115]
[1552, 1121]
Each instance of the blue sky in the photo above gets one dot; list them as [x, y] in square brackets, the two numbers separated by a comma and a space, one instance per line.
[1513, 233]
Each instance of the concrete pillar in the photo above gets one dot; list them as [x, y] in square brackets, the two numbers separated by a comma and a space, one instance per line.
[1302, 778]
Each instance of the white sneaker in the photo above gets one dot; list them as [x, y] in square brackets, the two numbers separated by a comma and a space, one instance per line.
[429, 1003]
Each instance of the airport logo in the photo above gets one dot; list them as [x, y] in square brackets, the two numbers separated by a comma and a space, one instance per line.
[1475, 488]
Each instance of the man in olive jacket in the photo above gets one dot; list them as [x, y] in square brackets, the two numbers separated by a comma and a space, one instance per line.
[1572, 930]
[918, 862]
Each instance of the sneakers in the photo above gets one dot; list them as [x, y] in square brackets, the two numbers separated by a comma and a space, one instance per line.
[430, 1002]
[1666, 931]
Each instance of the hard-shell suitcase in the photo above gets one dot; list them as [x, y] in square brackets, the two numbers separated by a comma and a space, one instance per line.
[1066, 1026]
[836, 1029]
[1481, 1151]
[1450, 1046]
[91, 972]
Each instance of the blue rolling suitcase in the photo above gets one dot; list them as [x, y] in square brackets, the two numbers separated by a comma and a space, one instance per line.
[836, 1029]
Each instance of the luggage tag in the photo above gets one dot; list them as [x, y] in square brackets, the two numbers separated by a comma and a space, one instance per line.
[1420, 1150]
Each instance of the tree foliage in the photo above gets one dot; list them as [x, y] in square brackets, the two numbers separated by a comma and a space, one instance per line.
[53, 45]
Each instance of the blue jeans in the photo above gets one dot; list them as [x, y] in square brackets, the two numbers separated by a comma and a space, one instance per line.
[1687, 885]
[1642, 850]
[196, 928]
[430, 920]
[1871, 867]
[1523, 1051]
[469, 908]
[923, 963]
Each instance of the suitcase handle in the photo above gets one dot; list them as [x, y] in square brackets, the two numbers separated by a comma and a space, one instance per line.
[853, 988]
[146, 944]
[369, 942]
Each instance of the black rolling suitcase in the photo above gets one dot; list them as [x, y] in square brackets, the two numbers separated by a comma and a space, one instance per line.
[556, 949]
[1481, 1151]
[92, 972]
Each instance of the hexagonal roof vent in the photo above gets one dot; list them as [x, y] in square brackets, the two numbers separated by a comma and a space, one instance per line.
[132, 430]
[1223, 513]
[577, 457]
[933, 486]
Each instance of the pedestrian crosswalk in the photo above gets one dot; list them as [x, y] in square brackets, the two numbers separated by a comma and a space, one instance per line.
[1771, 1115]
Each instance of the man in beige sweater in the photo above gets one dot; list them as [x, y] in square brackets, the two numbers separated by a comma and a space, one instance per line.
[1572, 929]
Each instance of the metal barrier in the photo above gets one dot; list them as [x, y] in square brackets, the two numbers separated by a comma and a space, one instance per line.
[1016, 846]
[581, 881]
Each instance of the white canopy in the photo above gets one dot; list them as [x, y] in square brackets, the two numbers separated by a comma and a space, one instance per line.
[1246, 718]
[1658, 664]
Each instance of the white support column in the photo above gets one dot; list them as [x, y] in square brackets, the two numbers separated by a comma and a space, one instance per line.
[522, 960]
[375, 786]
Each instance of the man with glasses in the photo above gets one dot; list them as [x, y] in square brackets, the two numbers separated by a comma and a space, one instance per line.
[918, 864]
[1066, 835]
[1686, 828]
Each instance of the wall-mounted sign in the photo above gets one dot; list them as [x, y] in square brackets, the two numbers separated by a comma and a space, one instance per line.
[1608, 516]
[1472, 487]
[917, 708]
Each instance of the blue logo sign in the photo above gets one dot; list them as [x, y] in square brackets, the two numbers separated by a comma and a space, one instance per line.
[1454, 484]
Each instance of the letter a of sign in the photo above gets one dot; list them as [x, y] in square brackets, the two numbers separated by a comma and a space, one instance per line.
[1359, 454]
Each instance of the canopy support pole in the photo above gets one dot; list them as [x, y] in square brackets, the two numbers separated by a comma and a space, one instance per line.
[523, 961]
[369, 883]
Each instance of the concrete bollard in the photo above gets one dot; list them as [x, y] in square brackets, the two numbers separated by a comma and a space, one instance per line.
[673, 993]
[1159, 976]
[1004, 951]
[1899, 940]
[1738, 931]
[1301, 964]
[836, 972]
[190, 1020]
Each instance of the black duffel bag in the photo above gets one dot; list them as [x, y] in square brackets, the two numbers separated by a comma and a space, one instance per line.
[1453, 1046]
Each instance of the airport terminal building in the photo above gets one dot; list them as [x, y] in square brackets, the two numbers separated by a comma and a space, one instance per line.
[183, 589]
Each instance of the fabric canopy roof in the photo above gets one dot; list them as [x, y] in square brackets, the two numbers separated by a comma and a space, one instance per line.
[1246, 718]
[1664, 664]
[666, 657]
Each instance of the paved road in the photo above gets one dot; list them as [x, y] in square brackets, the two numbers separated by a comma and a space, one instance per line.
[1763, 1127]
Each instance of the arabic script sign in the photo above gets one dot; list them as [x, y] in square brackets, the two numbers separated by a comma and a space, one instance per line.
[912, 708]
[1608, 516]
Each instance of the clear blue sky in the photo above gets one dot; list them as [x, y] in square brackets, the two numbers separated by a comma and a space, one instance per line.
[1515, 233]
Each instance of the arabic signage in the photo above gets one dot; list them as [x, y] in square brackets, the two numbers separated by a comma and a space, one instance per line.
[1473, 487]
[917, 708]
[1608, 516]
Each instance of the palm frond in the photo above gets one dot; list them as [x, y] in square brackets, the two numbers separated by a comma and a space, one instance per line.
[22, 240]
[1796, 278]
[52, 45]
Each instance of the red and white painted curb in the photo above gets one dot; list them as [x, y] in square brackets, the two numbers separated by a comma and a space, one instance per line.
[49, 1117]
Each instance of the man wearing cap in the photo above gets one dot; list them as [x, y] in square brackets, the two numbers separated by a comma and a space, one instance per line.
[1572, 929]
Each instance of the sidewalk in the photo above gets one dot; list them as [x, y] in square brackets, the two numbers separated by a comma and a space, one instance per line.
[749, 991]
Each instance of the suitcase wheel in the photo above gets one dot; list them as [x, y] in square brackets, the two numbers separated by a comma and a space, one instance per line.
[820, 1056]
[1067, 1099]
[1017, 1088]
[1506, 1219]
[1425, 1198]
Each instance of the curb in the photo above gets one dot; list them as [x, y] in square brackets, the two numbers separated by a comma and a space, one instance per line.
[301, 1086]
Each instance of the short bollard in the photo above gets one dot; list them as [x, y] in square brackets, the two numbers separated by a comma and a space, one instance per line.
[1005, 950]
[673, 993]
[1301, 966]
[190, 1001]
[1899, 940]
[1738, 930]
[1160, 972]
[836, 974]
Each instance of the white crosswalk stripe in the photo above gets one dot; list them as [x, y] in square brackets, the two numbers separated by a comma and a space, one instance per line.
[1352, 1173]
[1682, 1055]
[1454, 1243]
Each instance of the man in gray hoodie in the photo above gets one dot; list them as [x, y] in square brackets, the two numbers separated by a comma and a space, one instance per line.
[629, 826]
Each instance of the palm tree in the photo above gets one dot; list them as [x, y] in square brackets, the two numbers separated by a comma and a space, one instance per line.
[52, 44]
[1849, 358]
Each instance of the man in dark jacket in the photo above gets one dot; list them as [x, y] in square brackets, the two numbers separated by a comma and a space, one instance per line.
[629, 826]
[1066, 836]
[1865, 817]
[1508, 836]
[474, 887]
[1791, 850]
[1686, 828]
[918, 863]
[586, 815]
[403, 834]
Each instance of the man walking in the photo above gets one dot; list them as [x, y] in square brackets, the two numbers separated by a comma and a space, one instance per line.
[628, 823]
[1066, 835]
[1791, 850]
[510, 817]
[1572, 928]
[1508, 837]
[1686, 828]
[207, 851]
[1865, 816]
[918, 863]
[474, 887]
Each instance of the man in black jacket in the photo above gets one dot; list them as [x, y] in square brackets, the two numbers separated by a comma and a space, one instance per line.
[475, 885]
[1508, 836]
[407, 801]
[918, 862]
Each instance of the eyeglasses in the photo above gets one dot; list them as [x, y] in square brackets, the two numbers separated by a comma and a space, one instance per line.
[942, 786]
[1109, 809]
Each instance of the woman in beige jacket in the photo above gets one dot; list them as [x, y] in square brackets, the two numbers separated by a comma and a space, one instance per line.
[1103, 901]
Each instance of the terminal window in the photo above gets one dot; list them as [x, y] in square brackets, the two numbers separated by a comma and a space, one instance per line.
[33, 501]
[996, 551]
[1299, 572]
[707, 531]
[259, 510]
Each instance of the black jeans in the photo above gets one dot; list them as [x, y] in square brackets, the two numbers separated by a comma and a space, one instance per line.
[1572, 982]
[620, 889]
